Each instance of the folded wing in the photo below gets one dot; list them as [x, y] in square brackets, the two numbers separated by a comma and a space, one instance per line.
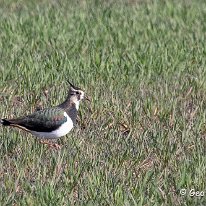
[45, 120]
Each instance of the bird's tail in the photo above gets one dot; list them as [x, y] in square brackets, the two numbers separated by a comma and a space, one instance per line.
[5, 122]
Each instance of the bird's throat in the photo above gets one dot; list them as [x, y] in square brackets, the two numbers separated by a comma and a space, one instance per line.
[72, 112]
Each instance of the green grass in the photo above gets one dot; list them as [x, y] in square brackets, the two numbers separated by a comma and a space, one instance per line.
[143, 136]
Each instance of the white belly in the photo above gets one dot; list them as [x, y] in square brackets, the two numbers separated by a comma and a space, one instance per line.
[61, 131]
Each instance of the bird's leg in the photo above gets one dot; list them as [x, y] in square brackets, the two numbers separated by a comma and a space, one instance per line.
[50, 144]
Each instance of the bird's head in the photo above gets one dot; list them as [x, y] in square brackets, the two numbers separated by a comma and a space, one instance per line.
[76, 94]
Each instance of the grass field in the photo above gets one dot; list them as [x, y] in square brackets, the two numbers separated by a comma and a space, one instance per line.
[142, 139]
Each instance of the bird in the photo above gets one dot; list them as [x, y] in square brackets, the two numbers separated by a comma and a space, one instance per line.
[51, 123]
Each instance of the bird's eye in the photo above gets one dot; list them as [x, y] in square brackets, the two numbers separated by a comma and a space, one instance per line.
[78, 93]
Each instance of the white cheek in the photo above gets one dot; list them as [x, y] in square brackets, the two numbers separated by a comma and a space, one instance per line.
[82, 96]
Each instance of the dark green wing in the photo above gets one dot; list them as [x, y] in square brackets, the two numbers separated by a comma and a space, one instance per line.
[45, 120]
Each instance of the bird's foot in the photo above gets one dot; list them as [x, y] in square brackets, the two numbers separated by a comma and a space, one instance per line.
[51, 145]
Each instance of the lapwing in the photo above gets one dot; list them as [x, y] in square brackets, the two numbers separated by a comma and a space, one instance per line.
[51, 123]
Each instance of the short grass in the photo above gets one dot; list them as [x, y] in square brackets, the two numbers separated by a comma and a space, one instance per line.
[143, 136]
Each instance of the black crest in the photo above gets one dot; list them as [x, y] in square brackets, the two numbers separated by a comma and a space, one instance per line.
[76, 88]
